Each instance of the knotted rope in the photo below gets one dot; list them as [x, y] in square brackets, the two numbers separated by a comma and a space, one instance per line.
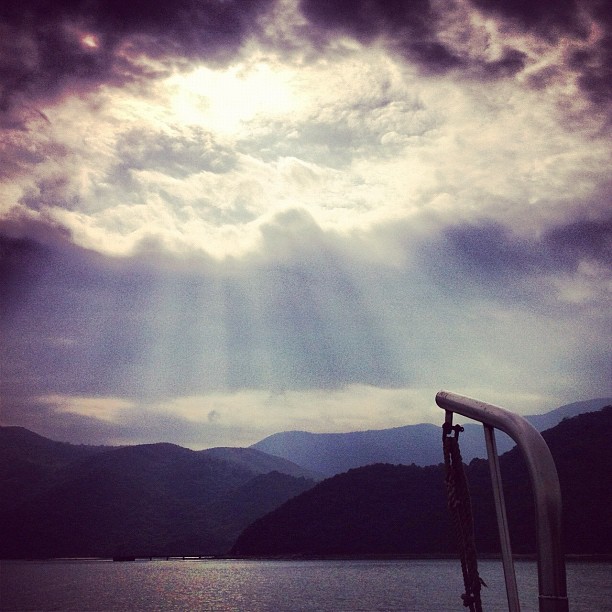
[461, 510]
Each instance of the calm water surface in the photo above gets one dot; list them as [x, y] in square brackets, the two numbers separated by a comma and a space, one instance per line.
[327, 586]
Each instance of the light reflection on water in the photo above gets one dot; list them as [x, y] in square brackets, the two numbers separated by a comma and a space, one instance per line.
[262, 586]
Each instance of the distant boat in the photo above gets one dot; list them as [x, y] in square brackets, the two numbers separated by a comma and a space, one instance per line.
[124, 558]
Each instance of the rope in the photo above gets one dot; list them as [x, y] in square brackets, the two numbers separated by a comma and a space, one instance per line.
[461, 510]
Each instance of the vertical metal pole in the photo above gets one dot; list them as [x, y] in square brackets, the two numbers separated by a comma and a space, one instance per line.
[502, 520]
[448, 417]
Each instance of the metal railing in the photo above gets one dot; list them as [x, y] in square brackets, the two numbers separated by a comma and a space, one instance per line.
[546, 492]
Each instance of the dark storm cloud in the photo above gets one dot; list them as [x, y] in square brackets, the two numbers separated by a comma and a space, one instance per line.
[410, 28]
[597, 65]
[507, 265]
[551, 19]
[416, 30]
[411, 25]
[581, 240]
[42, 51]
[548, 17]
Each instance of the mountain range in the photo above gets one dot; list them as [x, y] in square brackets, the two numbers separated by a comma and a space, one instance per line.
[334, 453]
[386, 509]
[65, 500]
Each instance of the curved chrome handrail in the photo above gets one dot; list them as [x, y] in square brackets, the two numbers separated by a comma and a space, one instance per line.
[545, 486]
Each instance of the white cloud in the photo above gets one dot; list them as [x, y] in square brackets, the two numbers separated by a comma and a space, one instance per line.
[102, 408]
[357, 140]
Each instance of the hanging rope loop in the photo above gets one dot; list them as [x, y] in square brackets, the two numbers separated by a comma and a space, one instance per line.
[460, 508]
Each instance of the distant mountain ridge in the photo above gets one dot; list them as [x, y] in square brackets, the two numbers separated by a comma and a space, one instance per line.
[385, 509]
[46, 451]
[552, 418]
[334, 453]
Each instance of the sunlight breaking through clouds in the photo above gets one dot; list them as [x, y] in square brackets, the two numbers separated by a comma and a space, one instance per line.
[224, 100]
[208, 174]
[288, 200]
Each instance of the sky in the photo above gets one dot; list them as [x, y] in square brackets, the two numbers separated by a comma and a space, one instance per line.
[221, 219]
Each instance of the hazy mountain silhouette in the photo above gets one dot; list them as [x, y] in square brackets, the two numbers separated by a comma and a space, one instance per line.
[332, 453]
[152, 499]
[399, 509]
[18, 442]
[260, 461]
[59, 499]
[29, 462]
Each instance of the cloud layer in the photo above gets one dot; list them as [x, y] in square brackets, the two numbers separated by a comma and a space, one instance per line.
[222, 219]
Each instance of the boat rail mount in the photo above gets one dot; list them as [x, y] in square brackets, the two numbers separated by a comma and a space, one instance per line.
[546, 493]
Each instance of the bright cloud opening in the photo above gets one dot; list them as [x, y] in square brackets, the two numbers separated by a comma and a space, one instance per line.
[224, 99]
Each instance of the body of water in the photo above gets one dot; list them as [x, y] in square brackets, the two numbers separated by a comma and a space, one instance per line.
[277, 586]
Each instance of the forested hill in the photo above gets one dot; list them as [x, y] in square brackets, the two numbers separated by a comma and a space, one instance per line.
[397, 509]
[58, 499]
